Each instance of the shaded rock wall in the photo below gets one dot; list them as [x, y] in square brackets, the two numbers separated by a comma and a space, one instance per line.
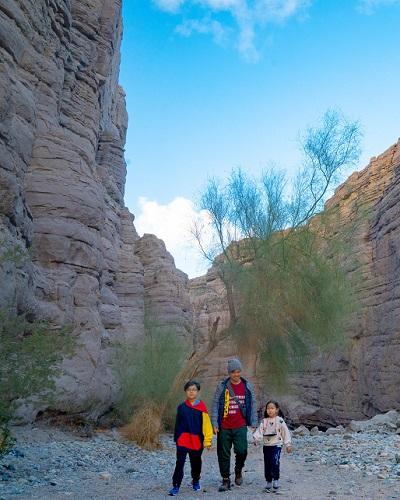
[363, 379]
[62, 176]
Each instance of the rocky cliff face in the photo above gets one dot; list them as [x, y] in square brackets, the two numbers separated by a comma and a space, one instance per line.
[362, 379]
[62, 176]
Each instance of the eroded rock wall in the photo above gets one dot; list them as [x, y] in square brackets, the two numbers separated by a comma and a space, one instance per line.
[62, 176]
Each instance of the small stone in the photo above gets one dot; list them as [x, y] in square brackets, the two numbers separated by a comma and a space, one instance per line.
[106, 476]
[53, 483]
[348, 436]
[382, 476]
[130, 470]
[301, 431]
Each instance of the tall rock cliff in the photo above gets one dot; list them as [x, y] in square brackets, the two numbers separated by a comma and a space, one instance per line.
[363, 378]
[62, 175]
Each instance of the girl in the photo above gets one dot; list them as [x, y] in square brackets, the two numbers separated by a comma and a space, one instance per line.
[274, 433]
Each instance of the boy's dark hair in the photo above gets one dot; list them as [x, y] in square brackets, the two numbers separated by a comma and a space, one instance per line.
[276, 404]
[190, 383]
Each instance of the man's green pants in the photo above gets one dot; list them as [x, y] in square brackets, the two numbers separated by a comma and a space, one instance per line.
[225, 439]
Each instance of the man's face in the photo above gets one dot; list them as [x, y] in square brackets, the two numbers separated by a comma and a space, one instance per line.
[235, 376]
[191, 393]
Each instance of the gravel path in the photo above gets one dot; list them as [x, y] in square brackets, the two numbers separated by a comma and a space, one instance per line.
[49, 463]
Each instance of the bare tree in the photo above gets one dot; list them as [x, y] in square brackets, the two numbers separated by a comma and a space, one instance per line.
[292, 295]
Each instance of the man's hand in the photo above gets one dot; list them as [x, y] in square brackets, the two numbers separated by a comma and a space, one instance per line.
[253, 429]
[289, 449]
[216, 429]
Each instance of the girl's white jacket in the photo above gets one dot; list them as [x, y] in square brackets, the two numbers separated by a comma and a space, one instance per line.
[273, 432]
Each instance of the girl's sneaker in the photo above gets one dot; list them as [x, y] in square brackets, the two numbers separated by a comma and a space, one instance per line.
[173, 491]
[268, 487]
[275, 485]
[196, 486]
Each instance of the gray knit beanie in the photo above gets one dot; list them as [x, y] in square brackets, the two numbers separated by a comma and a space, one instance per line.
[234, 364]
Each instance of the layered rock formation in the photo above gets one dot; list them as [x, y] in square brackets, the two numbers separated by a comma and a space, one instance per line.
[362, 379]
[62, 176]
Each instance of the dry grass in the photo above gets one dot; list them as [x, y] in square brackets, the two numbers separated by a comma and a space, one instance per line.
[145, 427]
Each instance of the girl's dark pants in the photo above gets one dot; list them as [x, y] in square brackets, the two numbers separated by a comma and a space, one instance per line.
[225, 439]
[195, 464]
[272, 456]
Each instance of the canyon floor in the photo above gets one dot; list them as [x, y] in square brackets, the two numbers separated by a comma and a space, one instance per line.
[55, 463]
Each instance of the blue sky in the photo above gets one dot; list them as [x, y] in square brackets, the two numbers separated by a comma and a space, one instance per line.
[215, 84]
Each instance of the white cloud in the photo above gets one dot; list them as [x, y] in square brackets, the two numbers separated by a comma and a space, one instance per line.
[205, 26]
[169, 5]
[370, 6]
[249, 16]
[172, 223]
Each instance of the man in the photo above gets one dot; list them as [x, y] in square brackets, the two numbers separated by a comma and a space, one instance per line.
[234, 408]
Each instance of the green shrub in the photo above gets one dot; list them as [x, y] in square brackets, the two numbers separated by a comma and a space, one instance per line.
[30, 355]
[147, 371]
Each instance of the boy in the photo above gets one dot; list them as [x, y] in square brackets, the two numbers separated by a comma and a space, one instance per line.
[193, 433]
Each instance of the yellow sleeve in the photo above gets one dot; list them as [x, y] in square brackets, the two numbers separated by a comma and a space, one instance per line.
[207, 430]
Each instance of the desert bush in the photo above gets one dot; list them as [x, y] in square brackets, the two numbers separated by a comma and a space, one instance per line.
[30, 354]
[145, 427]
[147, 371]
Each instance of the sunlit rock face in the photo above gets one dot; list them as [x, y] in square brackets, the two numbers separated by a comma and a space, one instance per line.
[362, 379]
[62, 176]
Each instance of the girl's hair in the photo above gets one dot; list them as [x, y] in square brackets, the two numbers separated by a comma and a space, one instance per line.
[190, 383]
[276, 404]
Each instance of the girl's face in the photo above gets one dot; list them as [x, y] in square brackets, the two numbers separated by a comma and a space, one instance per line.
[272, 410]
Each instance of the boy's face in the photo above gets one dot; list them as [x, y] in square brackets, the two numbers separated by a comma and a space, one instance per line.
[191, 393]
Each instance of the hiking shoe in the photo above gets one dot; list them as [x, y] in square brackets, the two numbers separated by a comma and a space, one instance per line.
[275, 485]
[268, 487]
[196, 486]
[173, 491]
[226, 485]
[238, 478]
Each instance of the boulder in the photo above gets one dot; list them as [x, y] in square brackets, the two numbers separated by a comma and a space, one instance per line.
[389, 420]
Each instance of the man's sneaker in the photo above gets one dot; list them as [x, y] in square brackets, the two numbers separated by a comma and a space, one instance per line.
[226, 485]
[238, 478]
[268, 486]
[196, 486]
[173, 491]
[275, 485]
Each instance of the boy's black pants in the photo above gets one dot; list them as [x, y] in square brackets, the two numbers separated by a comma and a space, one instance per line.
[272, 456]
[195, 464]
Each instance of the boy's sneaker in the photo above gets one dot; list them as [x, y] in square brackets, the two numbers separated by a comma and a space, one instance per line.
[173, 491]
[226, 485]
[275, 485]
[268, 486]
[196, 486]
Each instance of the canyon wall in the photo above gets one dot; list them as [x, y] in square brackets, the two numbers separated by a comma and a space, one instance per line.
[62, 176]
[363, 378]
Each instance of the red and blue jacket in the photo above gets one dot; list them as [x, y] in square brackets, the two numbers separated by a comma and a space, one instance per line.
[193, 430]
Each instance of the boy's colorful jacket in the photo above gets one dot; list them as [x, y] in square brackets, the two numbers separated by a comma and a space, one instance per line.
[193, 428]
[273, 432]
[221, 403]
